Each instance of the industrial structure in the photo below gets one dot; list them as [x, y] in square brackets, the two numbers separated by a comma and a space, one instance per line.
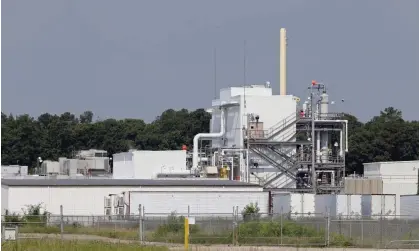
[285, 153]
[90, 163]
[123, 196]
[273, 140]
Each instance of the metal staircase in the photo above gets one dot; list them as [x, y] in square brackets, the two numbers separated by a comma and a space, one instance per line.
[276, 146]
[276, 129]
[279, 165]
[282, 126]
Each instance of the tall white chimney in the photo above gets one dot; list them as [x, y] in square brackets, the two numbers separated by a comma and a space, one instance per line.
[283, 62]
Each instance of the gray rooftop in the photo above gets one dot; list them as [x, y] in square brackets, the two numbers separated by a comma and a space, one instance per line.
[123, 182]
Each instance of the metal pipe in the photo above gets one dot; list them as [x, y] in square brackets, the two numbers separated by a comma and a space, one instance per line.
[232, 168]
[223, 151]
[283, 62]
[346, 130]
[313, 170]
[318, 153]
[247, 166]
[246, 169]
[206, 136]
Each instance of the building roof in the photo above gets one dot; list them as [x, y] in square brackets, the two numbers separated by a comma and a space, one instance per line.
[124, 182]
[392, 162]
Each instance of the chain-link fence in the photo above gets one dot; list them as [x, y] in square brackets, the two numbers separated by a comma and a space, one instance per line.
[231, 229]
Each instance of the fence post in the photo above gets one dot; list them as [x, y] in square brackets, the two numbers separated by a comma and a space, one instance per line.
[282, 225]
[140, 223]
[62, 222]
[328, 229]
[362, 231]
[234, 225]
[186, 233]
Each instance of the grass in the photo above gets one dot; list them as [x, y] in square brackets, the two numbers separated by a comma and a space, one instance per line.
[248, 233]
[254, 230]
[58, 245]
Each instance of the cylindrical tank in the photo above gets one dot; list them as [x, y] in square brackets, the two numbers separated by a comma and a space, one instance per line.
[324, 105]
[305, 108]
[318, 146]
[324, 142]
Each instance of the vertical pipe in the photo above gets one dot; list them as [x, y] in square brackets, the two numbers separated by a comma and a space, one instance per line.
[283, 62]
[232, 168]
[313, 170]
[318, 147]
[247, 167]
[341, 143]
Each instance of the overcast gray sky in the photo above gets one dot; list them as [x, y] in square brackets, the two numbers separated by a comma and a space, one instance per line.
[138, 58]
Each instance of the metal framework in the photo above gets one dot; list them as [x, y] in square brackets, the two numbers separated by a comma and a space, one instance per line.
[302, 149]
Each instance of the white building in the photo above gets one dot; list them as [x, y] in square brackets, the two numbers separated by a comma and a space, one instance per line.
[264, 110]
[148, 164]
[88, 197]
[399, 177]
[14, 171]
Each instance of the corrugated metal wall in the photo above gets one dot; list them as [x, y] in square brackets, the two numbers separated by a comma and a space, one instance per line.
[409, 206]
[363, 186]
[201, 203]
[89, 200]
[335, 205]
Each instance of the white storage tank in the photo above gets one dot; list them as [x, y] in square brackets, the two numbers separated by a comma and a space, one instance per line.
[409, 206]
[295, 204]
[379, 206]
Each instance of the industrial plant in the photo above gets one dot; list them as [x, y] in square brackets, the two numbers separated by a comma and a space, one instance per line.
[284, 152]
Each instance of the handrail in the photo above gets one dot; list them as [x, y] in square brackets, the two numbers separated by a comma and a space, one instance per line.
[272, 162]
[282, 124]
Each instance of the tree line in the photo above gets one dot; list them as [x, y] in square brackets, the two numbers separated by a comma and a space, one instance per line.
[386, 137]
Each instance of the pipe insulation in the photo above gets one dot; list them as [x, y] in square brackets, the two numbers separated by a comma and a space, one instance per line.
[207, 136]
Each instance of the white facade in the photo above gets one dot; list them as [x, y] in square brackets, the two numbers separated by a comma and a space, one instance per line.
[399, 177]
[4, 199]
[88, 200]
[147, 164]
[196, 203]
[272, 110]
[15, 170]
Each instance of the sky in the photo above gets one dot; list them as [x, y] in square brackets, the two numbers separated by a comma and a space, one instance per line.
[137, 58]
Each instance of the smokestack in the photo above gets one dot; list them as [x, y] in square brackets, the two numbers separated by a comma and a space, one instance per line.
[283, 62]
